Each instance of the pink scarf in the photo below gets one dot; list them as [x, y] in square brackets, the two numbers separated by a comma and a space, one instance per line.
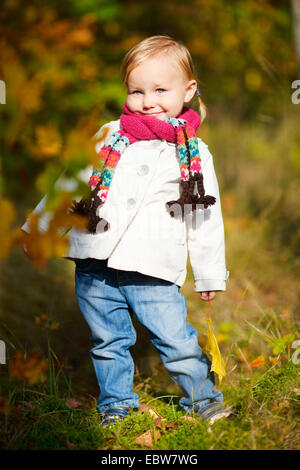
[135, 127]
[140, 127]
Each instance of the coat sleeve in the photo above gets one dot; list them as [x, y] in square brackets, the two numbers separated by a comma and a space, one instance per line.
[67, 184]
[205, 234]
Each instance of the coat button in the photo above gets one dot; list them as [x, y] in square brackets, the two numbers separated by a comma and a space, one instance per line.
[143, 170]
[131, 203]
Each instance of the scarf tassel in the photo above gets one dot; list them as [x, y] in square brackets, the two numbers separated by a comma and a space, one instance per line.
[189, 198]
[88, 208]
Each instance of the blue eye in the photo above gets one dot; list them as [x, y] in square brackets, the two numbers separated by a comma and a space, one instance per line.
[135, 92]
[160, 90]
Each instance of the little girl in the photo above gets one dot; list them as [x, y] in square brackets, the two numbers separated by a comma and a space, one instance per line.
[153, 200]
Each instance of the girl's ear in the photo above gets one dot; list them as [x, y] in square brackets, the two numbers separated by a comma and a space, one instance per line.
[190, 90]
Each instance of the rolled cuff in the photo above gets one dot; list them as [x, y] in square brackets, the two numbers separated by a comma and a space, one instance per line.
[202, 285]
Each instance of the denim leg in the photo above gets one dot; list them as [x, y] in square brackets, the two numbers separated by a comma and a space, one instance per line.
[112, 333]
[161, 308]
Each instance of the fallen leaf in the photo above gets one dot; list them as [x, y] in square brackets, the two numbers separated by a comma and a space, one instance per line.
[169, 426]
[70, 446]
[73, 403]
[259, 361]
[147, 438]
[159, 422]
[146, 409]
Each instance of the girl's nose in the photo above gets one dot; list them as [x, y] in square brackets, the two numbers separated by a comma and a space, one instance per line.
[148, 101]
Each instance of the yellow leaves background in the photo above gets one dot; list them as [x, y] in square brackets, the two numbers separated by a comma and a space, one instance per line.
[8, 235]
[32, 368]
[48, 141]
[43, 246]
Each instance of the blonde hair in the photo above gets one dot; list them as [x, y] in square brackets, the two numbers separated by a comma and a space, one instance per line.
[161, 44]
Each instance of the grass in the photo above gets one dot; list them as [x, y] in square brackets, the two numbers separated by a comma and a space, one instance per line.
[39, 314]
[268, 418]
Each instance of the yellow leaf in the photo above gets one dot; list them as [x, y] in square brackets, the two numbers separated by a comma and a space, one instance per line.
[8, 214]
[81, 36]
[212, 348]
[253, 80]
[48, 142]
[31, 369]
[30, 95]
[78, 145]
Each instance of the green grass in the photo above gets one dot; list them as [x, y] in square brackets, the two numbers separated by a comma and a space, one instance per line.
[268, 417]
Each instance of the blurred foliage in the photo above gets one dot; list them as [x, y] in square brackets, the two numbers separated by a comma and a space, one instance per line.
[60, 62]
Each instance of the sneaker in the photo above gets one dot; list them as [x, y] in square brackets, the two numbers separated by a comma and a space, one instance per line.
[215, 411]
[114, 415]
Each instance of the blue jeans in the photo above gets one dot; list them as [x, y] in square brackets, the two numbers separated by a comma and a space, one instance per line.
[106, 298]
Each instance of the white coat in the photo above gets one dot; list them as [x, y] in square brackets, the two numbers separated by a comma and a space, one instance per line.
[143, 237]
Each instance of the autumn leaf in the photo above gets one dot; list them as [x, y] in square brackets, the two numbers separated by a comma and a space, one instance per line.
[45, 321]
[212, 348]
[70, 445]
[42, 246]
[258, 362]
[31, 369]
[147, 438]
[80, 37]
[8, 214]
[73, 403]
[79, 147]
[30, 95]
[48, 142]
[4, 405]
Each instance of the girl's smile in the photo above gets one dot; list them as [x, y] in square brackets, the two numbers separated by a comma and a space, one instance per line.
[159, 88]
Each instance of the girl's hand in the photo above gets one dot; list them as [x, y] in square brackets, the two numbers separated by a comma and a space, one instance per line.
[208, 295]
[25, 249]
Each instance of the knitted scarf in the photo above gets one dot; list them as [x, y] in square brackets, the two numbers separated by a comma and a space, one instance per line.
[135, 127]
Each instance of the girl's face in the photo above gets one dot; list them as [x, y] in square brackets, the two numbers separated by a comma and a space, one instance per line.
[159, 88]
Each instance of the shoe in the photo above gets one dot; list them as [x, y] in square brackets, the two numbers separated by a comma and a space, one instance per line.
[114, 415]
[215, 411]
